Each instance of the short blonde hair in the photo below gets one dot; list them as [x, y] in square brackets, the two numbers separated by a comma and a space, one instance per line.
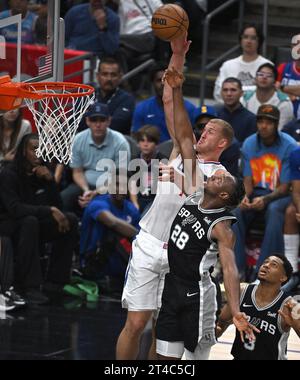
[226, 129]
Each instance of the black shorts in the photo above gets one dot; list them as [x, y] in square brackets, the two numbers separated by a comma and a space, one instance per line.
[188, 312]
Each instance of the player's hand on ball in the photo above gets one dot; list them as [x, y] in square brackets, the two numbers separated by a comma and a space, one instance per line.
[174, 78]
[180, 45]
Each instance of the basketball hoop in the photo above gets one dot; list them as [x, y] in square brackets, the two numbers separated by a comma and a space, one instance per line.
[57, 109]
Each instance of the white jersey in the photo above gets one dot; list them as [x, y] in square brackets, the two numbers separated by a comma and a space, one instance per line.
[238, 68]
[135, 16]
[169, 198]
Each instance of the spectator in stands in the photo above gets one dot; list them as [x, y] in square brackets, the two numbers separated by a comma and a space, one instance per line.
[266, 93]
[230, 156]
[148, 139]
[291, 223]
[289, 80]
[242, 121]
[106, 220]
[293, 129]
[120, 103]
[150, 111]
[266, 174]
[30, 213]
[28, 22]
[245, 66]
[136, 36]
[96, 143]
[92, 27]
[12, 129]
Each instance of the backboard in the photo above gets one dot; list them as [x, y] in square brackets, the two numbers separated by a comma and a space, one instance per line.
[32, 41]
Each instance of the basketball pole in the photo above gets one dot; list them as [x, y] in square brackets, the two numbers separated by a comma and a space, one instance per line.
[59, 77]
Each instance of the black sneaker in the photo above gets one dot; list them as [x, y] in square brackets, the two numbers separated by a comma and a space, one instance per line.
[15, 297]
[35, 297]
[6, 304]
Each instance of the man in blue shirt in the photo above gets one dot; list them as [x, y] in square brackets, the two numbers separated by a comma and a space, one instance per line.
[10, 32]
[95, 151]
[151, 112]
[242, 121]
[266, 171]
[92, 27]
[106, 220]
[120, 102]
[291, 223]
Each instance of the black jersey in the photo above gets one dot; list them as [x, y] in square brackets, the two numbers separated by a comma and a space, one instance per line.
[191, 251]
[271, 342]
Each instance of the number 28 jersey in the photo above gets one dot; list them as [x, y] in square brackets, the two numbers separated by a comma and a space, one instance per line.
[191, 251]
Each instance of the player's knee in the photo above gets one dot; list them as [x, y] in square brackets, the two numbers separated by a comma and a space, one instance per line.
[290, 212]
[135, 326]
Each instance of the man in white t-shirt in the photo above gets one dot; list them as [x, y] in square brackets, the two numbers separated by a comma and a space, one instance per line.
[149, 263]
[245, 66]
[266, 93]
[136, 36]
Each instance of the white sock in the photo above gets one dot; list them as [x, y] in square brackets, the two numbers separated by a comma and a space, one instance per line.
[291, 249]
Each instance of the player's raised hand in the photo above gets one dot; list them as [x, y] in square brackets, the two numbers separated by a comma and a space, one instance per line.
[180, 45]
[241, 322]
[174, 78]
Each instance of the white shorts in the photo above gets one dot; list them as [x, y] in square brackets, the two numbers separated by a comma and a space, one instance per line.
[176, 350]
[144, 280]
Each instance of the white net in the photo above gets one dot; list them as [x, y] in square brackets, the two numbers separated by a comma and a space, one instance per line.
[57, 120]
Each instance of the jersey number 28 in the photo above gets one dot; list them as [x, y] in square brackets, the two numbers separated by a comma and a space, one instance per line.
[179, 238]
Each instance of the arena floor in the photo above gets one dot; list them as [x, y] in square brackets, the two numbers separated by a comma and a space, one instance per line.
[68, 329]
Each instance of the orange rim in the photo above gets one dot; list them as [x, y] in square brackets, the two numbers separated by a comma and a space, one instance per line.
[29, 89]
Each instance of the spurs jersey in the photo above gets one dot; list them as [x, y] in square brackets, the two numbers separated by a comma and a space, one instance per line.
[271, 342]
[169, 198]
[191, 251]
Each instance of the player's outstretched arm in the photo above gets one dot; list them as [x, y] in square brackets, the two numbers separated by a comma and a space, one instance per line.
[224, 235]
[184, 134]
[180, 47]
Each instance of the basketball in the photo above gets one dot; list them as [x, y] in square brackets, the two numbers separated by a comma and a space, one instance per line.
[169, 21]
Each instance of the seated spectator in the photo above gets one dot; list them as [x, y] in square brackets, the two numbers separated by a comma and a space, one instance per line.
[291, 223]
[92, 27]
[147, 138]
[242, 121]
[12, 129]
[96, 143]
[266, 93]
[289, 81]
[151, 111]
[293, 129]
[266, 174]
[245, 66]
[10, 32]
[230, 156]
[120, 103]
[106, 221]
[30, 213]
[136, 36]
